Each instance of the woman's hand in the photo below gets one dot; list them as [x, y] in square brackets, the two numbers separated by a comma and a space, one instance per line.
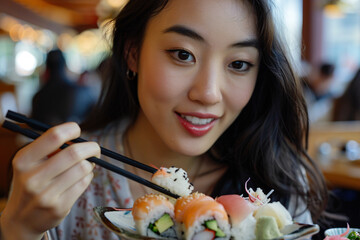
[46, 184]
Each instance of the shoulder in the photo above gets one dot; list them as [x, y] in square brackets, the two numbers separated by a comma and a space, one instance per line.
[298, 209]
[113, 130]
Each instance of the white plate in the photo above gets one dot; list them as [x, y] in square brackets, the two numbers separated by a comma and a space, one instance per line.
[120, 221]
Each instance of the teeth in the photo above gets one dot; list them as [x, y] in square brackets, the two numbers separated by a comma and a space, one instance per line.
[196, 120]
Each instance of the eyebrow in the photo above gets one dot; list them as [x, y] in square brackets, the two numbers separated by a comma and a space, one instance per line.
[185, 31]
[247, 43]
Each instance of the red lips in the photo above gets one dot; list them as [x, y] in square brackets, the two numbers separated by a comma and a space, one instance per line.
[197, 129]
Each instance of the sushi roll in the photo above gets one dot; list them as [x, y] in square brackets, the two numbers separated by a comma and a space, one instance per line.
[202, 218]
[173, 179]
[184, 202]
[154, 216]
[240, 211]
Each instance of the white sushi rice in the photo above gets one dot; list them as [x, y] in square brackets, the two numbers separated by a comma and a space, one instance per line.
[245, 230]
[176, 181]
[198, 226]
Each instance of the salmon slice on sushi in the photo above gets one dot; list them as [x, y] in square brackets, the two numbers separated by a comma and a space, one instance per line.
[240, 211]
[202, 218]
[154, 216]
[185, 202]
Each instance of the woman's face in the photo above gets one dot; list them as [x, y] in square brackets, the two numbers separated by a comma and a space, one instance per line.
[197, 69]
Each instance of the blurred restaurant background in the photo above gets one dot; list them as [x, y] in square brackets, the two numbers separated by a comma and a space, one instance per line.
[318, 33]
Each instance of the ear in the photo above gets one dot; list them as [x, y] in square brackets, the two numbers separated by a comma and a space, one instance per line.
[132, 57]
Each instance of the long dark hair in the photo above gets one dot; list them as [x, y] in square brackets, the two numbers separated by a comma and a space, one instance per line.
[118, 98]
[271, 133]
[266, 142]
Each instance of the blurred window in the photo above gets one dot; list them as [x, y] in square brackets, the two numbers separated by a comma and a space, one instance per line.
[288, 17]
[341, 39]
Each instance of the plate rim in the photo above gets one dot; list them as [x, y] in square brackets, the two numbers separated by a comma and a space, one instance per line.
[100, 214]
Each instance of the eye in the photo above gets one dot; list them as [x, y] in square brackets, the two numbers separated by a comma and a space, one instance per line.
[181, 55]
[240, 66]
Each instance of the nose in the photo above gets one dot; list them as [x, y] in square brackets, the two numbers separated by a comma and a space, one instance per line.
[206, 87]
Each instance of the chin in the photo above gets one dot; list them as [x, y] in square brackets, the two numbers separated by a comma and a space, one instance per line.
[192, 150]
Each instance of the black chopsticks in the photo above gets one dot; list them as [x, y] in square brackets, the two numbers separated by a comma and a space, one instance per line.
[43, 127]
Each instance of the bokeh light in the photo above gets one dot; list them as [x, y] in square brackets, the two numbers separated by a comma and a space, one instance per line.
[25, 63]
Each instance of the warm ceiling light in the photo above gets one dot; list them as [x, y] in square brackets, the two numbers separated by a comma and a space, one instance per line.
[87, 42]
[45, 39]
[16, 31]
[333, 11]
[28, 34]
[7, 22]
[64, 40]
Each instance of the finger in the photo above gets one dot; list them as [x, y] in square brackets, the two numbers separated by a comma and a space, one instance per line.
[60, 163]
[47, 143]
[63, 182]
[69, 197]
[58, 209]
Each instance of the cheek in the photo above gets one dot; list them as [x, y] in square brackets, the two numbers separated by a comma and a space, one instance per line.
[238, 97]
[157, 87]
[237, 103]
[160, 81]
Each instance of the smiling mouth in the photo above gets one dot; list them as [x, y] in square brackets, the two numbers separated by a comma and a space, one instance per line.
[197, 125]
[196, 120]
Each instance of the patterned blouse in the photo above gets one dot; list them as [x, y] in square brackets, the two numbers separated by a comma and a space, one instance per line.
[112, 190]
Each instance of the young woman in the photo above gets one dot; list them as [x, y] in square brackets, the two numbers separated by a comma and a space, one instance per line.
[203, 85]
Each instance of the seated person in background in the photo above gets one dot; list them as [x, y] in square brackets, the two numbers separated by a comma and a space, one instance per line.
[317, 92]
[347, 106]
[60, 99]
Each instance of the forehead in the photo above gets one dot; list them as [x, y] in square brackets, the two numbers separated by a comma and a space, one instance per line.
[222, 18]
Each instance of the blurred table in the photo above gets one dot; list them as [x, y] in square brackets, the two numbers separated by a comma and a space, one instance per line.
[337, 171]
[342, 174]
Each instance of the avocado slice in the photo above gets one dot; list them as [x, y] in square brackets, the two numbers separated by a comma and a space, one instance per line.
[212, 225]
[219, 233]
[153, 228]
[164, 223]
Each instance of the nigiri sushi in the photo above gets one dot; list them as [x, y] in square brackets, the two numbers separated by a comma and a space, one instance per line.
[154, 216]
[240, 212]
[202, 218]
[254, 217]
